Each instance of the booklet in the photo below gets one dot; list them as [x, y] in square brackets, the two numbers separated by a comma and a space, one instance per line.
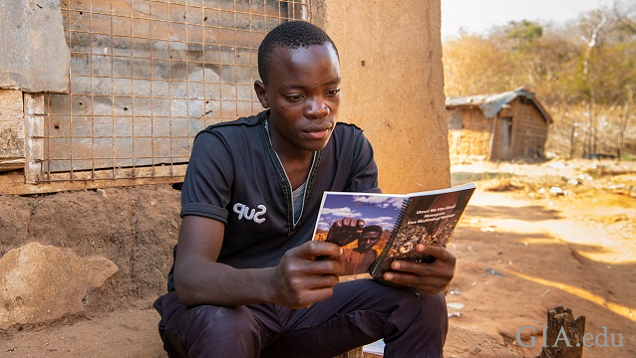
[376, 229]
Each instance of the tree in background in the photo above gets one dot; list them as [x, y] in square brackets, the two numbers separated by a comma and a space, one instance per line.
[584, 72]
[609, 71]
[476, 65]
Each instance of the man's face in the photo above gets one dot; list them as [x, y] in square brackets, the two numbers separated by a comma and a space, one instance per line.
[303, 95]
[368, 240]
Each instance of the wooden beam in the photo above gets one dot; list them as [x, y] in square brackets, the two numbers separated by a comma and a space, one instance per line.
[10, 164]
[161, 171]
[15, 183]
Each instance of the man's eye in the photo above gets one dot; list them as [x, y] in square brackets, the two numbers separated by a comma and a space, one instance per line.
[333, 92]
[293, 97]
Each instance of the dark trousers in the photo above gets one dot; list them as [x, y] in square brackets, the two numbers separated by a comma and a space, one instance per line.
[358, 313]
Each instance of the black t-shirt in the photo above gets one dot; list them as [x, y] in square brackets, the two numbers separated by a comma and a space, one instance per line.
[234, 176]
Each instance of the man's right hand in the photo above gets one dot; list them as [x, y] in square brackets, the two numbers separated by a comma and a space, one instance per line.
[300, 279]
[345, 231]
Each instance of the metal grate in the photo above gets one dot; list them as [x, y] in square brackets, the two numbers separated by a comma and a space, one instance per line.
[146, 76]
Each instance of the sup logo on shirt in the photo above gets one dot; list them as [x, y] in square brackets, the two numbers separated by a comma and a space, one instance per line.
[244, 211]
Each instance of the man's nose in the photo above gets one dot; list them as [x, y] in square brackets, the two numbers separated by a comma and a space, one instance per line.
[317, 108]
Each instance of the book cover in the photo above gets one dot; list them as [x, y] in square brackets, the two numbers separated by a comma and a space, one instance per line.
[376, 229]
[427, 218]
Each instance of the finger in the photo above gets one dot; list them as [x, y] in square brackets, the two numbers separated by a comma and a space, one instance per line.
[316, 295]
[305, 290]
[346, 222]
[328, 266]
[302, 283]
[416, 268]
[312, 249]
[360, 225]
[440, 253]
[427, 285]
[438, 268]
[443, 264]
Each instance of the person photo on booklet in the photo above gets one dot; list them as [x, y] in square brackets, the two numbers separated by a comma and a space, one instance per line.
[360, 244]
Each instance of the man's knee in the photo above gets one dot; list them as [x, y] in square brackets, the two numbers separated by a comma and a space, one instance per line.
[419, 326]
[208, 330]
[433, 306]
[421, 312]
[216, 322]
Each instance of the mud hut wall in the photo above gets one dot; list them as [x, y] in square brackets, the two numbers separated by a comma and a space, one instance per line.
[530, 129]
[11, 129]
[472, 139]
[393, 86]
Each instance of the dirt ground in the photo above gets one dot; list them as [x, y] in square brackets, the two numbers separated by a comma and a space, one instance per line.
[534, 237]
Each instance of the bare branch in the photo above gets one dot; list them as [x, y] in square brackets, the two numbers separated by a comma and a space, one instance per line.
[592, 42]
[623, 18]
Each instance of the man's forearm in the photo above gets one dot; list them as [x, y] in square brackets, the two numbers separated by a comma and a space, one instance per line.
[219, 284]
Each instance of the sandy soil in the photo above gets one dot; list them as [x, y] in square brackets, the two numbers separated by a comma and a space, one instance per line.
[534, 237]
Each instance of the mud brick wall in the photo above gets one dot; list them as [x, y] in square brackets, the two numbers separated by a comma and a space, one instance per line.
[146, 76]
[11, 125]
[472, 138]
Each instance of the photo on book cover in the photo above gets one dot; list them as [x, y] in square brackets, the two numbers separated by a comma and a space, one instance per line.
[361, 223]
[427, 220]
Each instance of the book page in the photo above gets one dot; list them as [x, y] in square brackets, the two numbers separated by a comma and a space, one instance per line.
[359, 222]
[429, 219]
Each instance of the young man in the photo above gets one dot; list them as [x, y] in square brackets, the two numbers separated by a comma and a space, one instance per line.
[247, 278]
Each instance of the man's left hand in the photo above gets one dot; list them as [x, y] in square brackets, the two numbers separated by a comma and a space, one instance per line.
[428, 278]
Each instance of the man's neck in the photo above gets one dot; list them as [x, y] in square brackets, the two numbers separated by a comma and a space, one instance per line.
[296, 164]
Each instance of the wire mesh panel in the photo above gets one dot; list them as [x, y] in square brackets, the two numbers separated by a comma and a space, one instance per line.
[146, 76]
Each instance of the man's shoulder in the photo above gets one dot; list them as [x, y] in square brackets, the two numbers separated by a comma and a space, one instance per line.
[344, 126]
[347, 130]
[350, 137]
[240, 124]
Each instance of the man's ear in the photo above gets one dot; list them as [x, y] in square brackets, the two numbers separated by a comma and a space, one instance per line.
[259, 88]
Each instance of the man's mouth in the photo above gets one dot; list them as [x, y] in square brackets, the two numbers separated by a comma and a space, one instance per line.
[319, 131]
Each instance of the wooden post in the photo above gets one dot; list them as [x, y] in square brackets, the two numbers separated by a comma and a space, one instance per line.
[564, 338]
[34, 113]
[491, 139]
[355, 353]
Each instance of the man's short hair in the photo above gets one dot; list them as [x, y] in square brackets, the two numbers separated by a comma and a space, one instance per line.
[372, 228]
[291, 35]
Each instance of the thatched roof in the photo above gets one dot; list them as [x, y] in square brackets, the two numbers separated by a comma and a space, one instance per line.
[492, 104]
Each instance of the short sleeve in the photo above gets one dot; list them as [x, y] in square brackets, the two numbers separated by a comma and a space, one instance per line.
[364, 171]
[207, 185]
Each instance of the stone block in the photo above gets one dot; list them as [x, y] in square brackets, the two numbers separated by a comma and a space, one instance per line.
[41, 283]
[34, 56]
